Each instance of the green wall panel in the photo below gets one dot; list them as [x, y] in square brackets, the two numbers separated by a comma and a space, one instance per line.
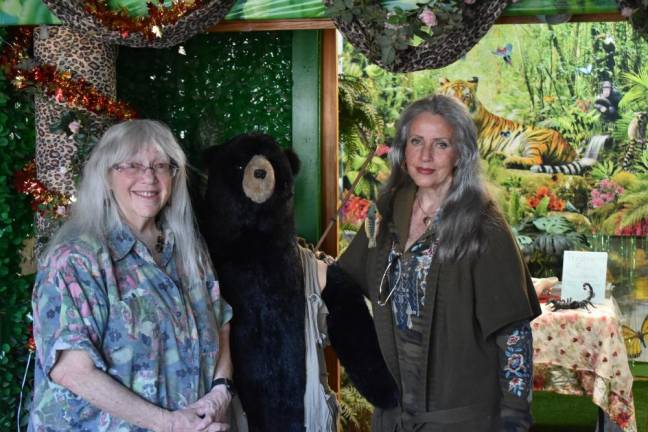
[230, 83]
[224, 85]
[306, 130]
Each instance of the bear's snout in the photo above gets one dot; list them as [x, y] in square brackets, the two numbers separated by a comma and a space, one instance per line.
[258, 179]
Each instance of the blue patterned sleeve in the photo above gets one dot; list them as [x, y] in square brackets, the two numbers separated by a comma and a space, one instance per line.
[70, 308]
[222, 310]
[515, 342]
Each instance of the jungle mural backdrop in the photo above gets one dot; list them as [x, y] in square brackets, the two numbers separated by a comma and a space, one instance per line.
[562, 114]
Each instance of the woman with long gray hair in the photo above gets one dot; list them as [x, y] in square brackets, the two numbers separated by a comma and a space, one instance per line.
[450, 293]
[131, 332]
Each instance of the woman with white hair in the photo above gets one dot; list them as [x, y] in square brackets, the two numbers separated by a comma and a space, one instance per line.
[131, 331]
[450, 293]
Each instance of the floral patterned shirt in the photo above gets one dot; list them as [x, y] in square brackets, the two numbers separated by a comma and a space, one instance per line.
[142, 324]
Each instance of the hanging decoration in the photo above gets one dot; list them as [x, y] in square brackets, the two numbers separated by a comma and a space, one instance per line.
[447, 29]
[163, 26]
[50, 204]
[62, 86]
[149, 26]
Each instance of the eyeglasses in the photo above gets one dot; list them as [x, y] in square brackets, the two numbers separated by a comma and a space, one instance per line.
[393, 265]
[135, 169]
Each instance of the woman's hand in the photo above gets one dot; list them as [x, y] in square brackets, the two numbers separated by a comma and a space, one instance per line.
[213, 409]
[322, 267]
[185, 420]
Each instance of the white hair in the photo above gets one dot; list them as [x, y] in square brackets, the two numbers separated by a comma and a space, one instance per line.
[96, 212]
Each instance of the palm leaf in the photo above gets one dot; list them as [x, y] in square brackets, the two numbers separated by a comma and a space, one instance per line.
[634, 215]
[638, 91]
[553, 225]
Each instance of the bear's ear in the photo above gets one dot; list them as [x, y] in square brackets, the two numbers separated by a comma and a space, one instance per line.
[294, 161]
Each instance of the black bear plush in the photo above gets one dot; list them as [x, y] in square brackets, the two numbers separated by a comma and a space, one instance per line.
[248, 224]
[247, 220]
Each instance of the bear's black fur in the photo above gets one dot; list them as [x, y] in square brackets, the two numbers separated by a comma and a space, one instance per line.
[253, 248]
[353, 336]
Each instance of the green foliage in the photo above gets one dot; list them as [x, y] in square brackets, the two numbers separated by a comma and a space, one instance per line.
[17, 137]
[604, 170]
[355, 411]
[360, 133]
[543, 239]
[641, 164]
[396, 30]
[77, 126]
[576, 126]
[358, 117]
[375, 174]
[636, 97]
[515, 208]
[634, 204]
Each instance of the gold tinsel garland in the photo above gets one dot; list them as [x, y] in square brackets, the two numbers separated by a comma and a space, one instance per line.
[151, 26]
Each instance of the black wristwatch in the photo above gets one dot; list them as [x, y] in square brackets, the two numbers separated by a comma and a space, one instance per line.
[229, 385]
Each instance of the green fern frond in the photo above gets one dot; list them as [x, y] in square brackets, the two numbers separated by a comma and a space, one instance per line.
[354, 409]
[620, 133]
[604, 170]
[637, 94]
[641, 165]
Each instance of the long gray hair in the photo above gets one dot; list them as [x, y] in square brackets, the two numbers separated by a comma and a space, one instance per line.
[467, 206]
[96, 212]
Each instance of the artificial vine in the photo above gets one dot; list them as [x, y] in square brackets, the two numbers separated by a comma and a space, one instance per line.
[395, 30]
[17, 143]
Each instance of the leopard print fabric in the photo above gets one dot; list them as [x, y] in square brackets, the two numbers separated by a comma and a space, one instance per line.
[83, 56]
[447, 48]
[72, 13]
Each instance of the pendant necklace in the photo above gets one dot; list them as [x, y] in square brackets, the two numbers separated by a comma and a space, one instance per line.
[427, 219]
[159, 243]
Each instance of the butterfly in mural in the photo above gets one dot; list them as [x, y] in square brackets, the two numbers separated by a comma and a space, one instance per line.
[585, 70]
[635, 339]
[505, 53]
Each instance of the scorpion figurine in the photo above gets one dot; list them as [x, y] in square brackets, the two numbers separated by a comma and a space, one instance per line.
[573, 304]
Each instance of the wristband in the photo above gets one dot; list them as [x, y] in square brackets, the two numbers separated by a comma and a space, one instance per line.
[229, 385]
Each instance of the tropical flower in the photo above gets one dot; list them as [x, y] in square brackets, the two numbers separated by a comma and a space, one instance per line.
[428, 17]
[74, 126]
[355, 210]
[640, 229]
[605, 192]
[555, 203]
[382, 149]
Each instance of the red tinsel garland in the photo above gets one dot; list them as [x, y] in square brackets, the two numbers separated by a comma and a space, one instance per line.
[75, 92]
[44, 201]
[150, 26]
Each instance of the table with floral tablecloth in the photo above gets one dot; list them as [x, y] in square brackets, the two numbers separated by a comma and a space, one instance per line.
[577, 352]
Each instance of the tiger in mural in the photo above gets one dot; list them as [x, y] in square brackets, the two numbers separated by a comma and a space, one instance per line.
[522, 146]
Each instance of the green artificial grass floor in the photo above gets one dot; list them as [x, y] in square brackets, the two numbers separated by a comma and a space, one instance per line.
[557, 413]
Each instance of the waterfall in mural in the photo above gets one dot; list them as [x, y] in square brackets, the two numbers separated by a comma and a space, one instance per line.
[591, 154]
